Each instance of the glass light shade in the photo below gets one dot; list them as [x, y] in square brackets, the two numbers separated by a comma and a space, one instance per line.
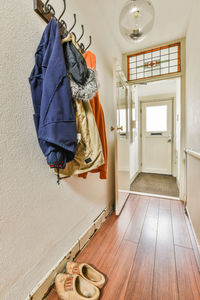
[136, 19]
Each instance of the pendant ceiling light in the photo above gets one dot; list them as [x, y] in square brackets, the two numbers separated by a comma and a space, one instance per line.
[136, 19]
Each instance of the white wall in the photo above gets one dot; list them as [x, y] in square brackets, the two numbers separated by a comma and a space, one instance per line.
[192, 81]
[193, 115]
[40, 221]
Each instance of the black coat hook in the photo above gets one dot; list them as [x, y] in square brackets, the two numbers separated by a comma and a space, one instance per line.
[47, 11]
[64, 9]
[73, 24]
[62, 23]
[82, 47]
[48, 8]
[81, 34]
[74, 34]
[89, 44]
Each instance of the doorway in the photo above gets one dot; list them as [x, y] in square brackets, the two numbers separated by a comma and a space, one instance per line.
[159, 109]
[148, 139]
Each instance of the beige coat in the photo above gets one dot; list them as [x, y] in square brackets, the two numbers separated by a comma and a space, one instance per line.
[89, 154]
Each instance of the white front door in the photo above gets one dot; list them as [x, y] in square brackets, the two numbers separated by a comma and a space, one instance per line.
[157, 137]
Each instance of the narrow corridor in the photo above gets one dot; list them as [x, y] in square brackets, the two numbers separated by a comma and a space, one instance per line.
[146, 253]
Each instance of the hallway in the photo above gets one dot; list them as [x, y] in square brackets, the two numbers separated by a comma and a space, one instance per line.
[146, 253]
[138, 112]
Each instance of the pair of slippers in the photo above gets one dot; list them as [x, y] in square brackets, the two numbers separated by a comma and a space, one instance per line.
[81, 282]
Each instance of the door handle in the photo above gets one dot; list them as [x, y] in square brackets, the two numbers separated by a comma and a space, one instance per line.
[118, 128]
[169, 138]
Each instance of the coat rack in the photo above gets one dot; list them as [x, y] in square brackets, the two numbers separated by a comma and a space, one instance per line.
[46, 11]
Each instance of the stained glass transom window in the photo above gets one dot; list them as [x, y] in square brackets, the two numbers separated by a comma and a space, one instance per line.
[156, 62]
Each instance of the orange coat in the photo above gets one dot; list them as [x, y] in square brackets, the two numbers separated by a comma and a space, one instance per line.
[100, 121]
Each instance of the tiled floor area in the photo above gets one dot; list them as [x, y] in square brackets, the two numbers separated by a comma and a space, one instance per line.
[146, 253]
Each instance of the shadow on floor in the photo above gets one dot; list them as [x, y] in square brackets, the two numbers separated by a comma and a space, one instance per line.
[155, 184]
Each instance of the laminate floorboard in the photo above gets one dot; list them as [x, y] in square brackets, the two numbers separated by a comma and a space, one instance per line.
[165, 284]
[188, 277]
[141, 277]
[180, 229]
[52, 295]
[146, 253]
[120, 271]
[135, 227]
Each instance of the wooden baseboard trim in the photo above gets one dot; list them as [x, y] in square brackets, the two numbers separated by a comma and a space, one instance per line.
[44, 286]
[195, 243]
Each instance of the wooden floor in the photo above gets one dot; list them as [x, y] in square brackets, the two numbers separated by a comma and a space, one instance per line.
[146, 253]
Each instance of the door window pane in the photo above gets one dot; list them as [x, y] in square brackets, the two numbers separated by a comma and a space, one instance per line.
[156, 118]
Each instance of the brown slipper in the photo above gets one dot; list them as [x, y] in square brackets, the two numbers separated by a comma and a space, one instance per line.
[87, 272]
[74, 287]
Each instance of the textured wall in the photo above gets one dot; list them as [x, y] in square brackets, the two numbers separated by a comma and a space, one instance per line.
[193, 115]
[39, 221]
[192, 81]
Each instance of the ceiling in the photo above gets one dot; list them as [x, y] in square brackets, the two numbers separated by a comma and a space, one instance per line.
[171, 20]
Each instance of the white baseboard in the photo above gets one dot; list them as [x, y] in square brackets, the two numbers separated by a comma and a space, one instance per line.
[195, 242]
[133, 177]
[43, 287]
[178, 183]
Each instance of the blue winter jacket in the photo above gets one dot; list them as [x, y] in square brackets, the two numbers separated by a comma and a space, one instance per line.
[54, 112]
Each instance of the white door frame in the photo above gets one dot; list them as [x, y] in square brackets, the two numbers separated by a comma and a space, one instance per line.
[182, 77]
